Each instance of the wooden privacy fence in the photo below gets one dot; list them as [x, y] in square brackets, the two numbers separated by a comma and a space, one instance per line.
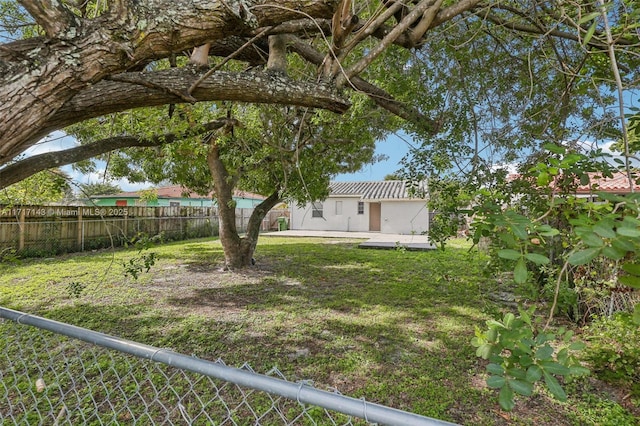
[48, 230]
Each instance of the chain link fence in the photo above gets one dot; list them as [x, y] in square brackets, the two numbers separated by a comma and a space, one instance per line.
[57, 374]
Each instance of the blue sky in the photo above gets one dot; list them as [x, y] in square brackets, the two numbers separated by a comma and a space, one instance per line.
[395, 147]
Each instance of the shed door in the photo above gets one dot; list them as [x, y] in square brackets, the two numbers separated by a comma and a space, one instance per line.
[374, 216]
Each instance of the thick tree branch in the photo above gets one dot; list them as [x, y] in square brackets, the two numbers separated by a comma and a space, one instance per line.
[132, 32]
[416, 13]
[52, 16]
[20, 170]
[377, 95]
[112, 96]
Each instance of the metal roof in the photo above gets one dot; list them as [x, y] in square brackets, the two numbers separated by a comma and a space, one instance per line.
[378, 190]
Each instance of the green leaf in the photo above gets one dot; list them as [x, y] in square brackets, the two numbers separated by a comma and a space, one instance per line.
[534, 373]
[584, 179]
[578, 370]
[567, 336]
[519, 231]
[630, 222]
[496, 382]
[552, 232]
[517, 373]
[632, 268]
[628, 232]
[563, 356]
[538, 259]
[577, 346]
[506, 398]
[636, 314]
[495, 369]
[484, 351]
[604, 228]
[589, 17]
[521, 387]
[630, 280]
[583, 256]
[613, 253]
[520, 272]
[592, 239]
[554, 387]
[624, 244]
[556, 149]
[495, 324]
[508, 238]
[610, 197]
[508, 319]
[509, 254]
[524, 315]
[543, 179]
[554, 368]
[544, 353]
[589, 34]
[492, 335]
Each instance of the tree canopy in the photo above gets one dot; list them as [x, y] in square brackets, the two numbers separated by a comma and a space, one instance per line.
[467, 76]
[49, 186]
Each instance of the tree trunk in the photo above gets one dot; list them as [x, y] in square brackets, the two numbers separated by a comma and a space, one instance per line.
[238, 252]
[250, 240]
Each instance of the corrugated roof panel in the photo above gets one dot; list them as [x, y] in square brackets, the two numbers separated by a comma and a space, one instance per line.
[380, 190]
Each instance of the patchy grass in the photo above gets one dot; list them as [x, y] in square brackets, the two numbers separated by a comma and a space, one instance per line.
[391, 326]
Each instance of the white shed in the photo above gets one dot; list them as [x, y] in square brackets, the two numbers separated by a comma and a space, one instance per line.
[388, 207]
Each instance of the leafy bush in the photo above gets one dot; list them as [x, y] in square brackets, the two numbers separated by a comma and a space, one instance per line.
[614, 349]
[144, 260]
[520, 356]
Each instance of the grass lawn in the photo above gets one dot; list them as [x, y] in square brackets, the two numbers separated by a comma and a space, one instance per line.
[391, 326]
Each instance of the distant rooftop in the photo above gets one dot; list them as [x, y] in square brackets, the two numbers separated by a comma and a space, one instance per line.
[177, 191]
[377, 190]
[617, 184]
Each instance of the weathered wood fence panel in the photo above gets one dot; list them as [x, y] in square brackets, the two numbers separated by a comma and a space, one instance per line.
[48, 230]
[43, 230]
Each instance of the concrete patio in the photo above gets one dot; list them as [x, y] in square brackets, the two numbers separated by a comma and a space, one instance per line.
[374, 240]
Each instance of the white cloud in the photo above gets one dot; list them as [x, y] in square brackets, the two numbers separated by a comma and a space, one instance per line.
[97, 177]
[56, 141]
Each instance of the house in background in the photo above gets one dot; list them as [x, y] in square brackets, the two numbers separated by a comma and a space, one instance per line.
[617, 184]
[383, 206]
[173, 196]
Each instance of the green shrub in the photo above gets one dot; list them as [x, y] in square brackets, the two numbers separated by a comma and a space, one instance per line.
[521, 355]
[614, 349]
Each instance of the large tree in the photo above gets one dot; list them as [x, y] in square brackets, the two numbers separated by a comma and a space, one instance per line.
[79, 59]
[285, 153]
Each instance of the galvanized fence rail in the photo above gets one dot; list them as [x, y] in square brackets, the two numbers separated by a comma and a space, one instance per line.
[56, 373]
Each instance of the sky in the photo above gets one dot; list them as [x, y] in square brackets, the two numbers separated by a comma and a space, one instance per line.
[395, 147]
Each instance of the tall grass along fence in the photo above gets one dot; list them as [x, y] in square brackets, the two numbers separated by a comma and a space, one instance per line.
[49, 230]
[58, 374]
